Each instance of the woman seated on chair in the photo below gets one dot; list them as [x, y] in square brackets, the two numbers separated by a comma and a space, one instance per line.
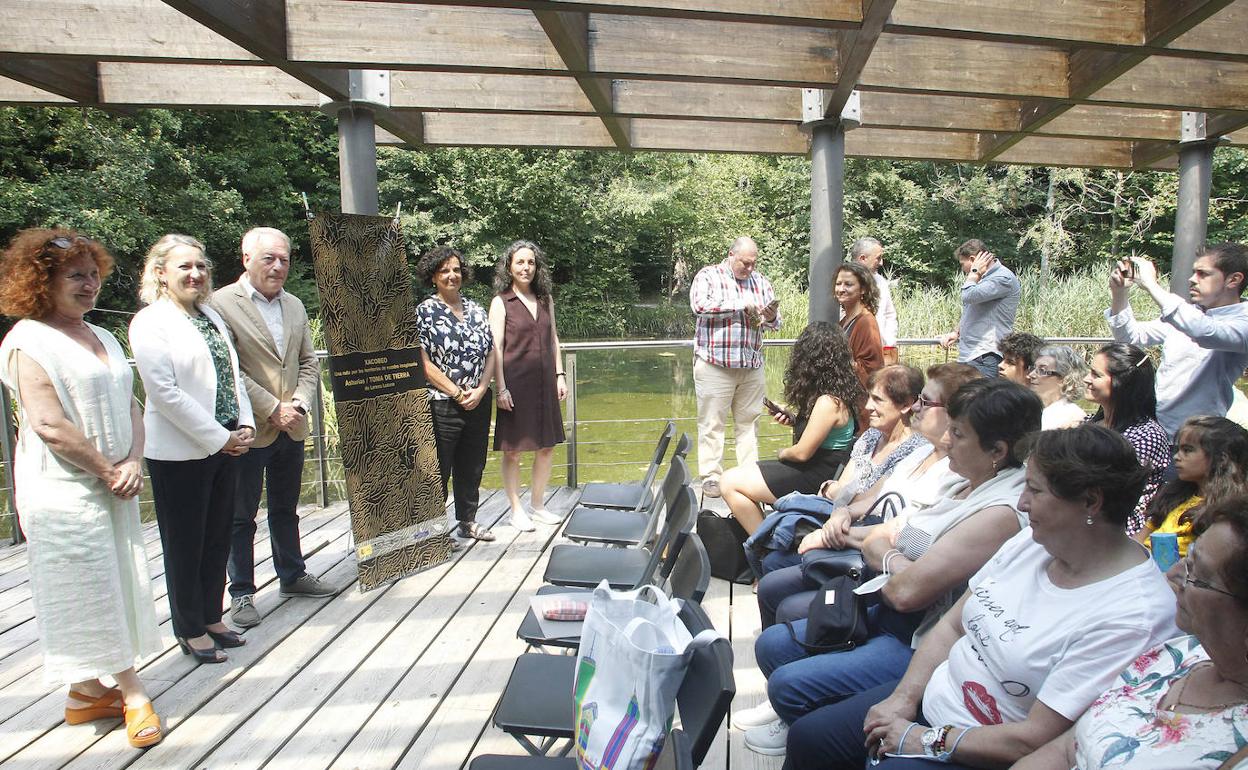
[824, 396]
[1044, 629]
[884, 446]
[1182, 705]
[929, 559]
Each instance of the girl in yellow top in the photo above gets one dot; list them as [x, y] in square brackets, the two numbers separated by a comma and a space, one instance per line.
[1212, 464]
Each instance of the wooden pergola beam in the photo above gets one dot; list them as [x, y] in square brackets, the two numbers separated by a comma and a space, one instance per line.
[77, 80]
[570, 35]
[1090, 70]
[790, 12]
[259, 26]
[854, 52]
[14, 92]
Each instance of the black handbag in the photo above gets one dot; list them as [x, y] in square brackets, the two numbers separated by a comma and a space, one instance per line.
[837, 620]
[724, 538]
[820, 565]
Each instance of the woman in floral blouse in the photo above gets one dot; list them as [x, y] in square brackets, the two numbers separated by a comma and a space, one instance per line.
[1182, 705]
[457, 350]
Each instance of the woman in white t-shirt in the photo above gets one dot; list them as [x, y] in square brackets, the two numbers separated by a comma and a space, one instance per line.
[1057, 378]
[1043, 630]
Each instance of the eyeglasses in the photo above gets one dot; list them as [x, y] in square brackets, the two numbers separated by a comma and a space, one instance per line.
[64, 241]
[1040, 371]
[1198, 583]
[926, 403]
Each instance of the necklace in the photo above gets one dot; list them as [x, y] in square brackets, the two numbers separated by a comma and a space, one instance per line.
[1178, 695]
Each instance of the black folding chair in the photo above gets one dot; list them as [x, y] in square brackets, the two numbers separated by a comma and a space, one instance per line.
[625, 528]
[587, 566]
[677, 754]
[538, 698]
[688, 578]
[632, 496]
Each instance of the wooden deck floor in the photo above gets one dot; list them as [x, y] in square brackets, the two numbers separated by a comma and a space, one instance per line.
[405, 676]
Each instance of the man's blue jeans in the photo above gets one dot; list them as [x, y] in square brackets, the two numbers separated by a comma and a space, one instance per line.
[282, 463]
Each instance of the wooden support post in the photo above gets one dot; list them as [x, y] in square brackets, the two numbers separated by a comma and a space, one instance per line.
[1191, 217]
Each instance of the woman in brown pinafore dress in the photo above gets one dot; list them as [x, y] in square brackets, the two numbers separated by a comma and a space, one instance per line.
[530, 378]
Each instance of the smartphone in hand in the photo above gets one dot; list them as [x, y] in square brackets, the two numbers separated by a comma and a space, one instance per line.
[775, 409]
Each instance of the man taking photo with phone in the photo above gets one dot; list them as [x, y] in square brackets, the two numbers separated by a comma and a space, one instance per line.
[990, 296]
[733, 304]
[1204, 341]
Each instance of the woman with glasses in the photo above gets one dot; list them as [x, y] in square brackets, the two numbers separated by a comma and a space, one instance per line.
[1122, 383]
[1043, 628]
[929, 559]
[78, 472]
[1057, 378]
[198, 420]
[1182, 705]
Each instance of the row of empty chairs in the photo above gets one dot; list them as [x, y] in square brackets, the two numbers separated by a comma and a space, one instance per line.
[649, 542]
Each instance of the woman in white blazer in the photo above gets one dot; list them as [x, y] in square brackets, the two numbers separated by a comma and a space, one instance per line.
[198, 420]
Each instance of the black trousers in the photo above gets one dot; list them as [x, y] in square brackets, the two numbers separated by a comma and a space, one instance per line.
[194, 509]
[281, 464]
[463, 438]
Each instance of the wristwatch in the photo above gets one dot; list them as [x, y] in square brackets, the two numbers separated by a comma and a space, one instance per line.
[299, 408]
[975, 271]
[928, 739]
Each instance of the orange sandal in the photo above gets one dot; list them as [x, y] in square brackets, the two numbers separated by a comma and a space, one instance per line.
[106, 706]
[140, 719]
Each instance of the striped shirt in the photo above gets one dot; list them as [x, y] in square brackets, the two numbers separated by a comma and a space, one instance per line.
[723, 335]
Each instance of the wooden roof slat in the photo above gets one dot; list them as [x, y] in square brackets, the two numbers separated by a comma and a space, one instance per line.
[203, 86]
[476, 92]
[911, 145]
[801, 12]
[76, 80]
[1119, 22]
[922, 63]
[1224, 32]
[380, 35]
[697, 136]
[569, 34]
[1191, 84]
[17, 92]
[1109, 121]
[894, 110]
[631, 45]
[654, 98]
[110, 29]
[1057, 151]
[505, 130]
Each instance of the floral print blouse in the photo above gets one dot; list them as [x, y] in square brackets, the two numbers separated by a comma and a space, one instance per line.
[226, 410]
[456, 347]
[1124, 728]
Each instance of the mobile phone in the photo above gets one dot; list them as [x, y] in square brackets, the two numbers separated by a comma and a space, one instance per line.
[775, 409]
[1126, 267]
[775, 303]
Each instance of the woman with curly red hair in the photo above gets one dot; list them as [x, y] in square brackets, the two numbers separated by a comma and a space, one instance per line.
[78, 473]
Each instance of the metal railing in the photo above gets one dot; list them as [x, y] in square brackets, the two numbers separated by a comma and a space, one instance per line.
[574, 420]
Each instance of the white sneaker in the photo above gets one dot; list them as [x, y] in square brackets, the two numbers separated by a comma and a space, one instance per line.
[543, 516]
[521, 521]
[762, 714]
[769, 739]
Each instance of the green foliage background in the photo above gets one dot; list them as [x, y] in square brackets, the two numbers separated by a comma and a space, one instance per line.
[624, 233]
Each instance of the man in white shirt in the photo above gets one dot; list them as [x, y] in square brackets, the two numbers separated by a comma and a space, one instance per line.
[274, 344]
[1204, 342]
[870, 252]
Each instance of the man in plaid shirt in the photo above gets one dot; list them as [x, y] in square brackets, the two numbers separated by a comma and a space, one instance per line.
[733, 305]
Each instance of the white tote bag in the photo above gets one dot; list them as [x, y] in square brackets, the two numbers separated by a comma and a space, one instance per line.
[630, 665]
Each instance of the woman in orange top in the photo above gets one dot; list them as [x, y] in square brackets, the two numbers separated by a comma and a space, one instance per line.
[1212, 463]
[859, 298]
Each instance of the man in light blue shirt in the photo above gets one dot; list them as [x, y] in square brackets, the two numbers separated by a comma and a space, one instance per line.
[990, 297]
[1204, 342]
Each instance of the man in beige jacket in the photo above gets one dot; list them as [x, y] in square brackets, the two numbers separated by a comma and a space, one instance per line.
[274, 344]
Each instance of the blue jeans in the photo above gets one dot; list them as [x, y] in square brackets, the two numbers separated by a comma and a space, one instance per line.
[987, 364]
[784, 594]
[281, 464]
[799, 683]
[832, 738]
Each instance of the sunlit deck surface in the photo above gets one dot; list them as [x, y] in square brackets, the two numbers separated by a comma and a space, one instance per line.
[403, 676]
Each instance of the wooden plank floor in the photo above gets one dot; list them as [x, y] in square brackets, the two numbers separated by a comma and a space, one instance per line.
[405, 676]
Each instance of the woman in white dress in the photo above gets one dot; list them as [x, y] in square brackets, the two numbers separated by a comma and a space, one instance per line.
[78, 473]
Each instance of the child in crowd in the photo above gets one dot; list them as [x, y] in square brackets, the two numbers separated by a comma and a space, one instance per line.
[1212, 464]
